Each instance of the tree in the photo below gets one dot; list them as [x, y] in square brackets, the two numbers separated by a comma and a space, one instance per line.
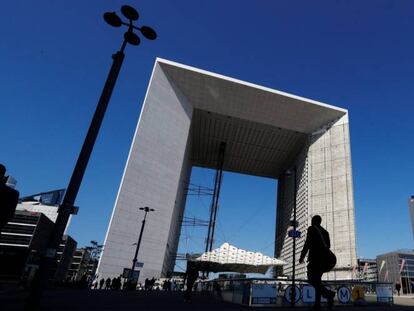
[95, 250]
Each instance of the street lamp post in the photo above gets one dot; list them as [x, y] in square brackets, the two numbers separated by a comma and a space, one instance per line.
[134, 261]
[294, 224]
[67, 207]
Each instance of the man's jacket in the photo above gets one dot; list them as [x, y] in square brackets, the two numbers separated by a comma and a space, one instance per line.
[314, 243]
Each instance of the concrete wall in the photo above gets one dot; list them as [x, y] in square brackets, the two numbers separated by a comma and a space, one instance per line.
[331, 193]
[154, 176]
[324, 188]
[284, 243]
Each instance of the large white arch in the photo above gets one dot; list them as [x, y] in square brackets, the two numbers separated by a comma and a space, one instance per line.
[187, 113]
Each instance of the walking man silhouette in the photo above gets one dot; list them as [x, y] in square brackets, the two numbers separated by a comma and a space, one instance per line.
[398, 288]
[320, 260]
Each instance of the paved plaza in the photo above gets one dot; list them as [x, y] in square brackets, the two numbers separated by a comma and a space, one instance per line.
[157, 300]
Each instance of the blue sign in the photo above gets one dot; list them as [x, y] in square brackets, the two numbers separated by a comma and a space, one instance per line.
[344, 294]
[288, 294]
[294, 233]
[139, 264]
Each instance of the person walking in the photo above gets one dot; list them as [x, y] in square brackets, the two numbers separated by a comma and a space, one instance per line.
[108, 283]
[101, 283]
[113, 284]
[191, 277]
[320, 260]
[398, 288]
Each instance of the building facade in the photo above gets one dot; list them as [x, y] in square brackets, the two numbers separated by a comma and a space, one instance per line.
[82, 265]
[397, 267]
[186, 117]
[63, 259]
[46, 203]
[23, 240]
[367, 270]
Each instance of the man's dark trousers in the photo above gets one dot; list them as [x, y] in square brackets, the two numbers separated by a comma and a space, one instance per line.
[315, 279]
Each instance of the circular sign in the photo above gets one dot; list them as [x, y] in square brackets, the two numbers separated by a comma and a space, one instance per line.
[288, 294]
[344, 294]
[358, 293]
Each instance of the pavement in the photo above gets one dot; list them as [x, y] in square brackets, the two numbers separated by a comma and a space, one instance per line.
[91, 300]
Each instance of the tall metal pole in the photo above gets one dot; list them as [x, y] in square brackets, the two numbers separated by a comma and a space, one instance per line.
[211, 212]
[134, 261]
[219, 179]
[67, 208]
[293, 292]
[216, 196]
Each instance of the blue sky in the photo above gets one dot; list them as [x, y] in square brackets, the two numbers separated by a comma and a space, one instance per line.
[358, 55]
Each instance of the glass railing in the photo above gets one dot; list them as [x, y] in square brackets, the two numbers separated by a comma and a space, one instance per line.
[277, 292]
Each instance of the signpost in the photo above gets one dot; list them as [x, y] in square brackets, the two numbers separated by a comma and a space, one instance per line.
[127, 272]
[294, 233]
[139, 264]
[294, 223]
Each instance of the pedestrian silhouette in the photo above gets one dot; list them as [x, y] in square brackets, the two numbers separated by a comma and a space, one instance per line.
[108, 283]
[101, 283]
[398, 288]
[113, 284]
[191, 277]
[320, 260]
[119, 283]
[8, 199]
[280, 287]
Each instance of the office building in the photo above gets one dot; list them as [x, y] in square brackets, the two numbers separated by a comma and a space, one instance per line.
[82, 264]
[397, 267]
[367, 270]
[63, 259]
[22, 241]
[44, 202]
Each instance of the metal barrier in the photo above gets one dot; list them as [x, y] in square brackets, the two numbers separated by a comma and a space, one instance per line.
[257, 292]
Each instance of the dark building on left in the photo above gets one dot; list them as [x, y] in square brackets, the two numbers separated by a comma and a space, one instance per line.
[25, 237]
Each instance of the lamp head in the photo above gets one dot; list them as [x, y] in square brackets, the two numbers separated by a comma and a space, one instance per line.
[147, 209]
[148, 33]
[129, 12]
[131, 38]
[112, 19]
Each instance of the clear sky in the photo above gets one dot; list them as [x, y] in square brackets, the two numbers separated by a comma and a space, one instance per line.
[358, 55]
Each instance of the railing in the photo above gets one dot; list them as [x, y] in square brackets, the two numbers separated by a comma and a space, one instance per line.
[277, 292]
